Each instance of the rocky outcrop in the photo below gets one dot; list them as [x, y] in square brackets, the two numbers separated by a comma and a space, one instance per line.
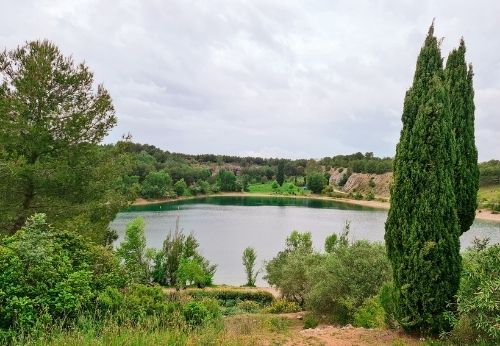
[362, 182]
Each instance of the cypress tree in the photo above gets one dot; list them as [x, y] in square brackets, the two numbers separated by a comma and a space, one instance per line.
[461, 99]
[280, 175]
[422, 227]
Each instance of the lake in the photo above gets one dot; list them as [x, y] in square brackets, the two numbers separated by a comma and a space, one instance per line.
[225, 225]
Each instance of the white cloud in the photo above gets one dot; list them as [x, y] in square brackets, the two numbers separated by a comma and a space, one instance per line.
[291, 78]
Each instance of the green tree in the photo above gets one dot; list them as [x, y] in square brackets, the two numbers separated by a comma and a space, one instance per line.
[316, 182]
[226, 180]
[180, 187]
[249, 258]
[51, 120]
[461, 98]
[336, 288]
[50, 276]
[133, 252]
[156, 184]
[179, 248]
[280, 175]
[422, 227]
[287, 269]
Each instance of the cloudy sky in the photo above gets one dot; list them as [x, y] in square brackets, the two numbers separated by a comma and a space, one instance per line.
[287, 78]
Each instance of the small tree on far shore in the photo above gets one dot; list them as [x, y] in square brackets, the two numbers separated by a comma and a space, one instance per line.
[249, 258]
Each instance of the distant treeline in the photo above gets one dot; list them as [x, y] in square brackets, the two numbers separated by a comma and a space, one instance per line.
[489, 172]
[358, 162]
[199, 171]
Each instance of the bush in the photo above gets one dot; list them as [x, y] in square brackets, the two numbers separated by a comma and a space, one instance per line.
[310, 321]
[387, 301]
[249, 306]
[345, 278]
[141, 302]
[223, 295]
[49, 276]
[227, 181]
[132, 251]
[195, 313]
[477, 310]
[287, 270]
[344, 178]
[370, 314]
[358, 195]
[370, 196]
[180, 187]
[316, 181]
[156, 185]
[280, 306]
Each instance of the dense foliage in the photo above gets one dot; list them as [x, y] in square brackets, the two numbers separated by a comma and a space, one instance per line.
[133, 252]
[326, 283]
[179, 264]
[460, 92]
[477, 314]
[316, 181]
[51, 120]
[422, 227]
[49, 276]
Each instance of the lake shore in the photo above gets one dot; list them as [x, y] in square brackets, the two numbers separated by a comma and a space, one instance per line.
[481, 214]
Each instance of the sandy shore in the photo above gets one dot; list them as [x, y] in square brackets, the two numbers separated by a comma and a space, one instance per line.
[481, 214]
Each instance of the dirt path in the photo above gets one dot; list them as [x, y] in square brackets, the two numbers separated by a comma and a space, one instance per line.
[349, 336]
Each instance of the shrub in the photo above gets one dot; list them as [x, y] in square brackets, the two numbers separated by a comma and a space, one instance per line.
[342, 281]
[141, 301]
[180, 187]
[181, 252]
[370, 314]
[223, 295]
[310, 321]
[280, 306]
[227, 181]
[156, 185]
[249, 306]
[316, 181]
[478, 311]
[371, 183]
[198, 313]
[48, 276]
[287, 270]
[132, 251]
[195, 313]
[370, 196]
[277, 324]
[191, 272]
[344, 178]
[358, 195]
[387, 301]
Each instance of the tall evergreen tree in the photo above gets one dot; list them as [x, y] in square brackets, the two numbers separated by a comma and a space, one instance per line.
[466, 171]
[422, 226]
[280, 175]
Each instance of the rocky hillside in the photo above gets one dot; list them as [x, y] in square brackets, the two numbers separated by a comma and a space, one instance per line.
[360, 182]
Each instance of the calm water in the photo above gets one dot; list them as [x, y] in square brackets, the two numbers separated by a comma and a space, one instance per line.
[224, 226]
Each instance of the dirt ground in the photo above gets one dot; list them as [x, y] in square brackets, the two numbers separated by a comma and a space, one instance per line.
[243, 331]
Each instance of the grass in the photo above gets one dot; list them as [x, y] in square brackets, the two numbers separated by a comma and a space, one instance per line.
[488, 195]
[288, 188]
[244, 329]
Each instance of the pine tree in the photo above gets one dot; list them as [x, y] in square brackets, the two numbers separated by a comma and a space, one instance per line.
[422, 227]
[461, 98]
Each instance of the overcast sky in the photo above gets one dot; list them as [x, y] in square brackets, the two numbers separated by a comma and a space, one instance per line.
[265, 78]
